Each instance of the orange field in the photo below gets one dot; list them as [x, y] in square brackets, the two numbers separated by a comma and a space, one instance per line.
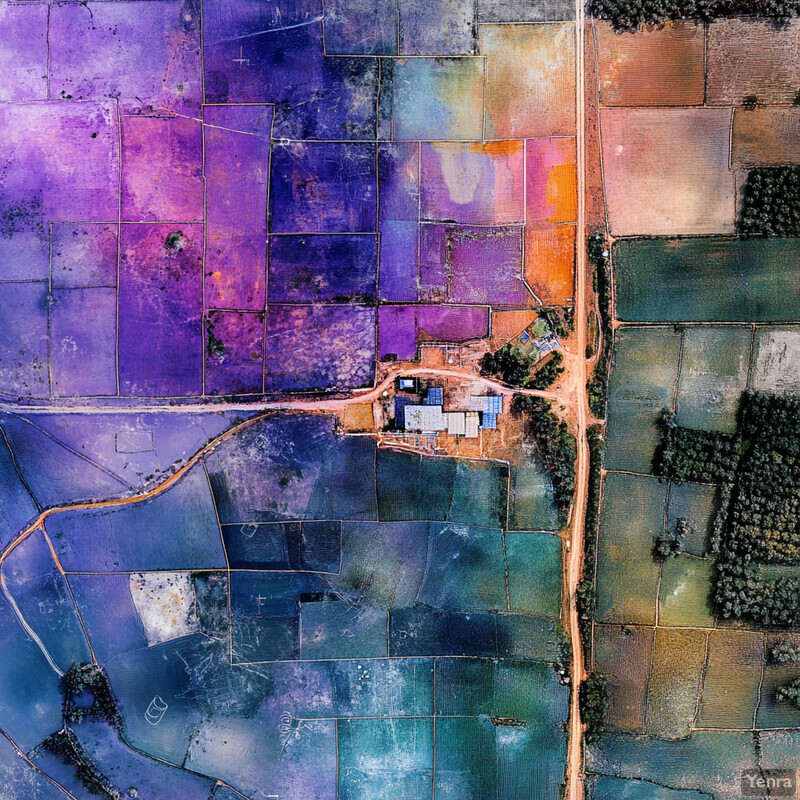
[550, 263]
[661, 66]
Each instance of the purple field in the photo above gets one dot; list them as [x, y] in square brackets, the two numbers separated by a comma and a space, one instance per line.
[319, 347]
[236, 143]
[298, 155]
[453, 266]
[403, 328]
[160, 298]
[162, 169]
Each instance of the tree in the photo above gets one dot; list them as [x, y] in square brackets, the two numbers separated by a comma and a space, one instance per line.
[545, 376]
[593, 698]
[510, 364]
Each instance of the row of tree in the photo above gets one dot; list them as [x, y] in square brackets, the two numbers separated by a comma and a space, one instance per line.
[627, 15]
[555, 445]
[597, 385]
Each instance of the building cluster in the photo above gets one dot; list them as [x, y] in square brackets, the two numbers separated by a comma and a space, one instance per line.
[431, 417]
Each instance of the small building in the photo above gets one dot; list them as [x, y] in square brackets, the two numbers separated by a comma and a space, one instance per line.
[456, 423]
[435, 396]
[425, 418]
[489, 421]
[408, 384]
[472, 422]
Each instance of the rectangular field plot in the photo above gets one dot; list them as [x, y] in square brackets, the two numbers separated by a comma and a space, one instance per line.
[476, 758]
[752, 57]
[84, 254]
[714, 366]
[732, 679]
[481, 266]
[23, 347]
[627, 577]
[162, 169]
[531, 502]
[642, 383]
[544, 103]
[765, 136]
[691, 191]
[660, 66]
[160, 298]
[83, 346]
[623, 655]
[707, 279]
[437, 98]
[481, 184]
[534, 573]
[777, 354]
[385, 758]
[399, 199]
[23, 31]
[401, 329]
[551, 181]
[148, 56]
[307, 269]
[550, 263]
[361, 27]
[678, 659]
[685, 592]
[236, 170]
[696, 503]
[234, 352]
[319, 347]
[59, 171]
[447, 28]
[323, 187]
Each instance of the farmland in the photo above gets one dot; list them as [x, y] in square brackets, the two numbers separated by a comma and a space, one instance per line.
[697, 115]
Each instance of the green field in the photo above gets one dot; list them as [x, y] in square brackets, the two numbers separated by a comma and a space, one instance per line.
[697, 503]
[707, 279]
[642, 383]
[627, 573]
[684, 596]
[713, 376]
[534, 573]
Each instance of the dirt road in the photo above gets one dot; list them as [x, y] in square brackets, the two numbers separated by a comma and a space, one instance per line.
[575, 753]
